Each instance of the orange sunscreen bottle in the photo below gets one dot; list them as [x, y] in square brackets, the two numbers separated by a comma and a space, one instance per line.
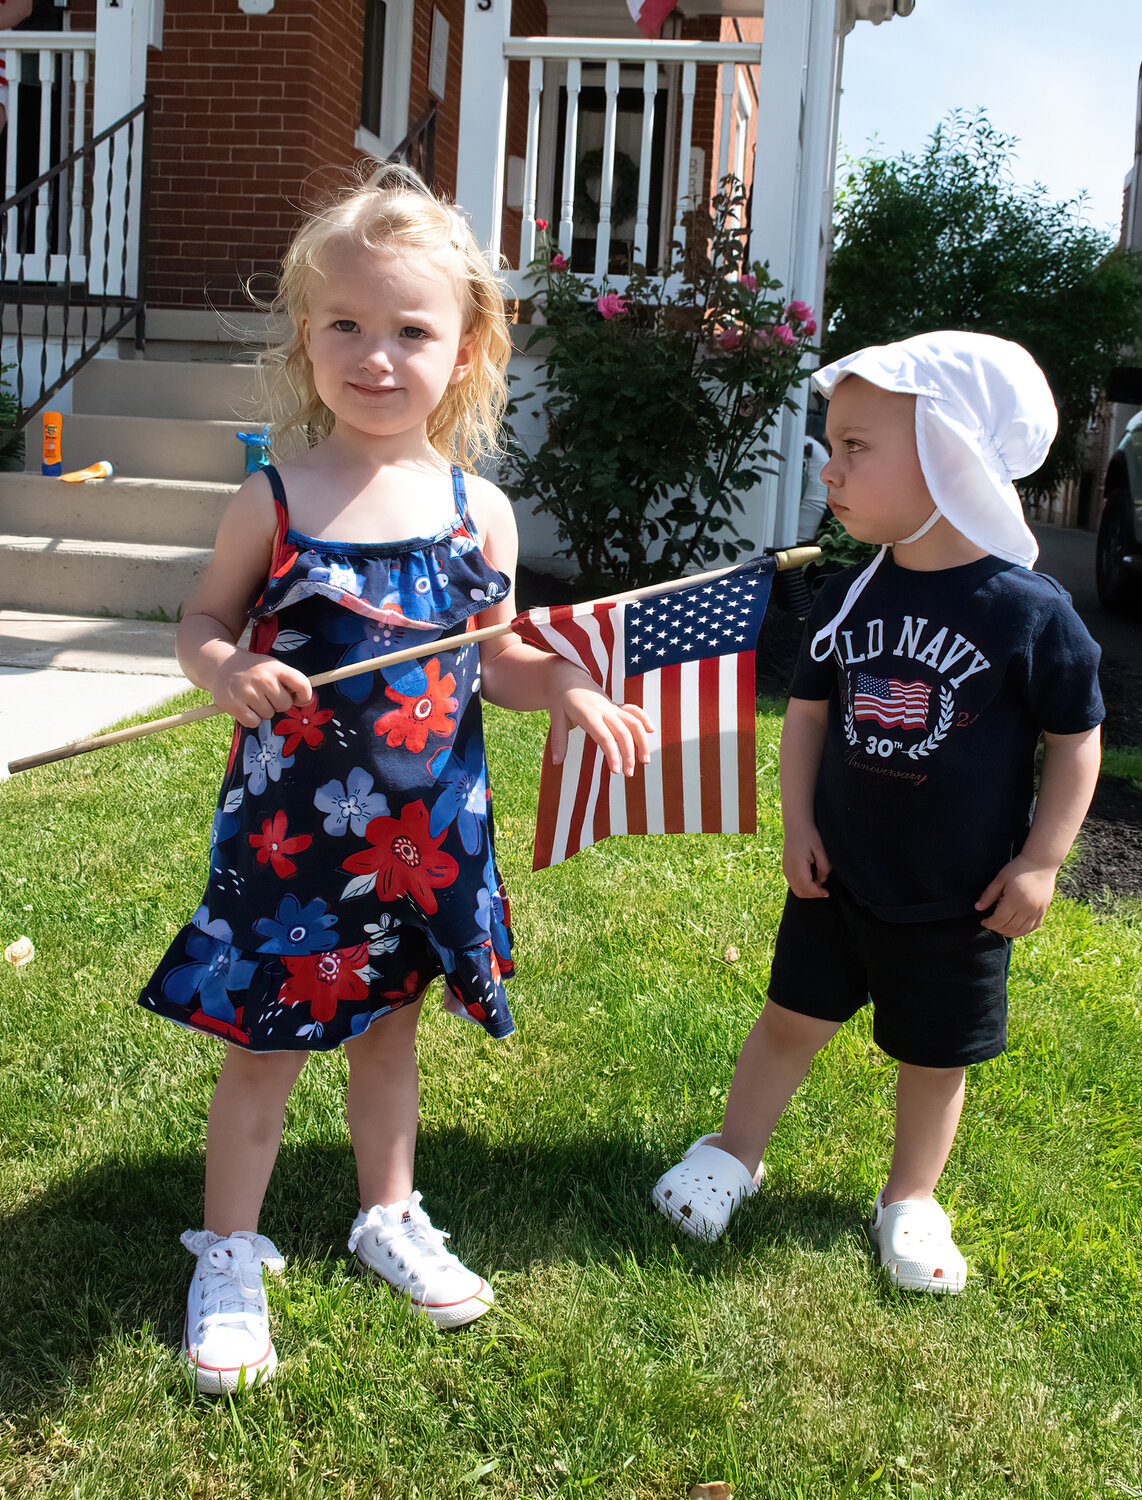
[53, 447]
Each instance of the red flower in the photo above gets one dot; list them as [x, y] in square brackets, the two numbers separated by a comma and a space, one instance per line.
[202, 1022]
[405, 860]
[273, 846]
[412, 988]
[541, 225]
[303, 723]
[321, 980]
[418, 717]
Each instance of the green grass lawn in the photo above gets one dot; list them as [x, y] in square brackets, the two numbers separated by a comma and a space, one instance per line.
[619, 1360]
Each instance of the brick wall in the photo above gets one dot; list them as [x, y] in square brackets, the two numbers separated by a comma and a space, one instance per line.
[249, 114]
[448, 108]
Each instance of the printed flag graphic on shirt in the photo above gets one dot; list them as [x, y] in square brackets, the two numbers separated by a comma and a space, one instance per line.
[893, 704]
[650, 14]
[686, 657]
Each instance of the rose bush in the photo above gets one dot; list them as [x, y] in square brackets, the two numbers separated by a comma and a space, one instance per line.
[658, 402]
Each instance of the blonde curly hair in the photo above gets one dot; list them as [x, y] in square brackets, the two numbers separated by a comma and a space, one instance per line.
[388, 206]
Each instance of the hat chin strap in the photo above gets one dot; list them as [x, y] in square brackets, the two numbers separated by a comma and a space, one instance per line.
[826, 637]
[919, 532]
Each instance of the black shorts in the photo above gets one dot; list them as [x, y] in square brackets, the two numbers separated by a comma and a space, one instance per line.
[938, 989]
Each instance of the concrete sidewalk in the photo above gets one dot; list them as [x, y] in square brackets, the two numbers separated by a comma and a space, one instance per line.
[63, 677]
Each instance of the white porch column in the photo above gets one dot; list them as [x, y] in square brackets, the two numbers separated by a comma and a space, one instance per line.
[776, 173]
[809, 238]
[483, 119]
[123, 29]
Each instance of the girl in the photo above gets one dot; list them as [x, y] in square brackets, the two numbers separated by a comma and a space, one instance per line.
[352, 852]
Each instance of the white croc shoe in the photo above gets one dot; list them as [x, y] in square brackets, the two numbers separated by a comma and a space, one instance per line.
[399, 1244]
[700, 1194]
[913, 1239]
[226, 1336]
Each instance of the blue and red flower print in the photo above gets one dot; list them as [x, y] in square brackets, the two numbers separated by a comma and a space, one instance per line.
[403, 859]
[274, 848]
[420, 714]
[352, 853]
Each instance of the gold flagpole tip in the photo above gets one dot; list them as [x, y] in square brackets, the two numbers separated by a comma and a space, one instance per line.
[796, 557]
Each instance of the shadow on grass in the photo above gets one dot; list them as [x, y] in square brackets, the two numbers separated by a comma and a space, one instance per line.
[98, 1257]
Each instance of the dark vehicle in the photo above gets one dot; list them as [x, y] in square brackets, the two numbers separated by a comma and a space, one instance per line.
[1118, 557]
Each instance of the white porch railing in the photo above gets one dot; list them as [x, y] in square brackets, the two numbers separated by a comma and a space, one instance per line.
[786, 151]
[648, 94]
[48, 238]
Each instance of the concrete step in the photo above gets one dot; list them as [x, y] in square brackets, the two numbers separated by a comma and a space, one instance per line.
[168, 511]
[84, 577]
[167, 388]
[152, 447]
[200, 325]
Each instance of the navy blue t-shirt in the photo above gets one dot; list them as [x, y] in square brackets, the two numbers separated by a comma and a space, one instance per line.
[938, 689]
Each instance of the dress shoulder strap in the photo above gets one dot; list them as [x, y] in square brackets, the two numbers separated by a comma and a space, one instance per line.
[277, 488]
[460, 495]
[281, 514]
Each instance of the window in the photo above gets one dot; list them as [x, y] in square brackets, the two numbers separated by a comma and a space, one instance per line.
[374, 65]
[386, 46]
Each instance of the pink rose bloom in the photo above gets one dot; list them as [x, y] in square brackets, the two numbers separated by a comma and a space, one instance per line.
[783, 334]
[611, 306]
[727, 340]
[760, 338]
[800, 312]
[809, 328]
[558, 263]
[749, 281]
[541, 224]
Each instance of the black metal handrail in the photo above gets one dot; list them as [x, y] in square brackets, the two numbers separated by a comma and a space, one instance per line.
[418, 149]
[129, 140]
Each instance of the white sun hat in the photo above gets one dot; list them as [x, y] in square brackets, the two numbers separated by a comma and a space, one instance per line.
[985, 416]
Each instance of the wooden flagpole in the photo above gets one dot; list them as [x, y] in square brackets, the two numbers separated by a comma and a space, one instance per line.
[793, 557]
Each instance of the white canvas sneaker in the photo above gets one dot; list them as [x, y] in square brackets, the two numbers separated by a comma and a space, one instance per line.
[226, 1336]
[399, 1244]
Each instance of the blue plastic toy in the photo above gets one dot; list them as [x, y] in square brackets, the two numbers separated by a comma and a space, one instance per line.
[257, 449]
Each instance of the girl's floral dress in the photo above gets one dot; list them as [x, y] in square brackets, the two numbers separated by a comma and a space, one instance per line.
[352, 856]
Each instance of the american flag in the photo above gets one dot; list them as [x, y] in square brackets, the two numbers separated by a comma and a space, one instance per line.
[686, 657]
[649, 15]
[893, 704]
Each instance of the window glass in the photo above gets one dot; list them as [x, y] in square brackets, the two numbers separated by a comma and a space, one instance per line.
[374, 64]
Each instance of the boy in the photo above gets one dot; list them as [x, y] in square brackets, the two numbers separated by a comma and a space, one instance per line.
[907, 763]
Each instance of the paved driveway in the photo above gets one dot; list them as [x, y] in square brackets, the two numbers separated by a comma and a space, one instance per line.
[1068, 555]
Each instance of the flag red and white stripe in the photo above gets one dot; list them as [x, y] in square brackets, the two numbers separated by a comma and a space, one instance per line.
[648, 15]
[702, 773]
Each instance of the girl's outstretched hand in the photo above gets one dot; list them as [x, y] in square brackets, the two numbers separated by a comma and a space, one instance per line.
[621, 731]
[252, 688]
